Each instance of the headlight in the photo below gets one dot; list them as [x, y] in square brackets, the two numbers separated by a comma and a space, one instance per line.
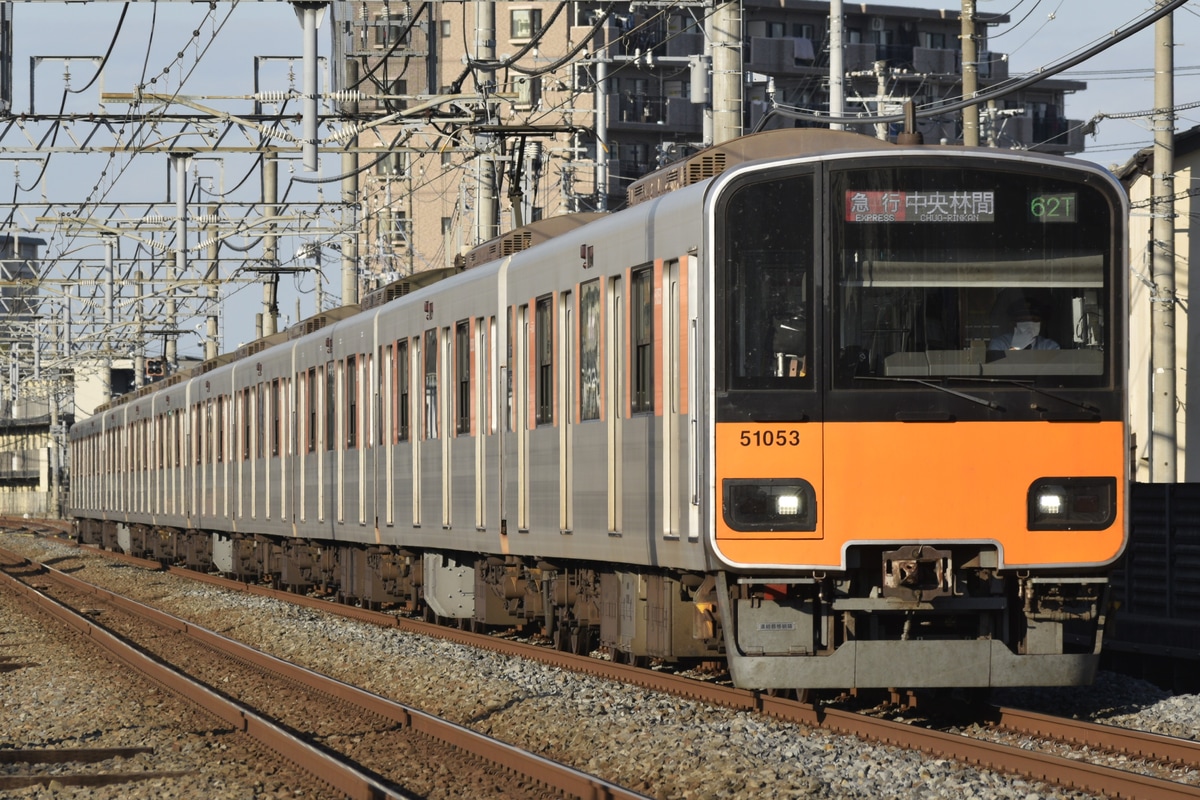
[770, 504]
[1072, 504]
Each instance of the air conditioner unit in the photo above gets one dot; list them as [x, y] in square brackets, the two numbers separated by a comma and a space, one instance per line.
[876, 23]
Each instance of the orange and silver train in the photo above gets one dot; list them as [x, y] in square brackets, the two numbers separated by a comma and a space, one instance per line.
[836, 412]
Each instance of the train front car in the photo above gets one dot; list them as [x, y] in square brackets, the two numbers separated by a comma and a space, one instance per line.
[918, 429]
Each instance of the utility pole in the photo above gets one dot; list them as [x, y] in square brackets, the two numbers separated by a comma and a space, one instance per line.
[170, 348]
[1163, 445]
[970, 74]
[106, 343]
[487, 207]
[270, 196]
[212, 278]
[726, 43]
[837, 70]
[601, 117]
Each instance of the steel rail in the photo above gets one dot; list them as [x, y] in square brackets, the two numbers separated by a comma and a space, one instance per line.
[1127, 741]
[339, 775]
[1064, 772]
[559, 777]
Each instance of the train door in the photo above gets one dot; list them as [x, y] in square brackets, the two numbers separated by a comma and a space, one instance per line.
[328, 461]
[521, 420]
[387, 433]
[484, 333]
[673, 370]
[566, 412]
[446, 408]
[417, 433]
[614, 352]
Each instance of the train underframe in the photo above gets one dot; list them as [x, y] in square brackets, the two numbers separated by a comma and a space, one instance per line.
[906, 617]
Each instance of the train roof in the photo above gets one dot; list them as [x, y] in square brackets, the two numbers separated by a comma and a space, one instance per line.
[712, 161]
[301, 328]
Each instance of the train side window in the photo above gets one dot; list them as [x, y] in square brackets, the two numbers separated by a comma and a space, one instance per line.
[589, 350]
[641, 320]
[402, 391]
[260, 416]
[509, 422]
[275, 415]
[310, 409]
[462, 370]
[245, 424]
[352, 402]
[767, 289]
[329, 375]
[544, 333]
[431, 387]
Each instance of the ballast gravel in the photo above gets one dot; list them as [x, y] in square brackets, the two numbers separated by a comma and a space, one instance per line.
[662, 746]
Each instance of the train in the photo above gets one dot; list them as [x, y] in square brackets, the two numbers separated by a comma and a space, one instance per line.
[833, 412]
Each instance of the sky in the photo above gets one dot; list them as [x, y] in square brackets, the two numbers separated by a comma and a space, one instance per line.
[161, 44]
[1119, 80]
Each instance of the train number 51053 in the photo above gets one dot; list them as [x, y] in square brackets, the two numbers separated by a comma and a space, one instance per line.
[769, 438]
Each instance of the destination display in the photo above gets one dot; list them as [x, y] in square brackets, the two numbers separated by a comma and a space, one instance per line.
[938, 206]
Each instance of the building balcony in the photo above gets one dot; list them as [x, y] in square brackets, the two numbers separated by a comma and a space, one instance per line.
[642, 111]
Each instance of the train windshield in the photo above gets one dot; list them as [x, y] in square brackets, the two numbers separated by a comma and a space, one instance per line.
[944, 272]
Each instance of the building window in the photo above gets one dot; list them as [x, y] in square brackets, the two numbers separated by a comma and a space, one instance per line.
[392, 165]
[445, 28]
[397, 92]
[933, 41]
[394, 225]
[387, 31]
[803, 30]
[525, 22]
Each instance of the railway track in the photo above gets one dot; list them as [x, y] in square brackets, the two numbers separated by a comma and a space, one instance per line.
[359, 744]
[1153, 766]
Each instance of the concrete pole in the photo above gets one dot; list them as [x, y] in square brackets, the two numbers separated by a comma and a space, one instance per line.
[1163, 444]
[881, 128]
[970, 74]
[270, 191]
[350, 225]
[310, 16]
[837, 69]
[727, 71]
[54, 494]
[106, 344]
[602, 121]
[139, 327]
[182, 162]
[486, 202]
[212, 283]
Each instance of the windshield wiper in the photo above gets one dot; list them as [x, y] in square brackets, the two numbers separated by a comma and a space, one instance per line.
[979, 400]
[1030, 386]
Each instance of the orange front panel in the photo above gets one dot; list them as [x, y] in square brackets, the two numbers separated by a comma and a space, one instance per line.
[929, 483]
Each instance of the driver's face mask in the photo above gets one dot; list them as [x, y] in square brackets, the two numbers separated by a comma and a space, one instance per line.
[1029, 327]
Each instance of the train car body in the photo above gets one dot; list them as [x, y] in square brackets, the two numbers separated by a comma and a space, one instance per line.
[787, 410]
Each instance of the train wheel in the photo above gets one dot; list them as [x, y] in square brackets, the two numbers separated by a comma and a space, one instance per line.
[581, 640]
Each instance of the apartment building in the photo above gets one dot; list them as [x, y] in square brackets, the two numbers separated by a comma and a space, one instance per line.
[506, 113]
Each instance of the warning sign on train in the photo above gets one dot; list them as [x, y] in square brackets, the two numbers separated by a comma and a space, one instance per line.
[920, 207]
